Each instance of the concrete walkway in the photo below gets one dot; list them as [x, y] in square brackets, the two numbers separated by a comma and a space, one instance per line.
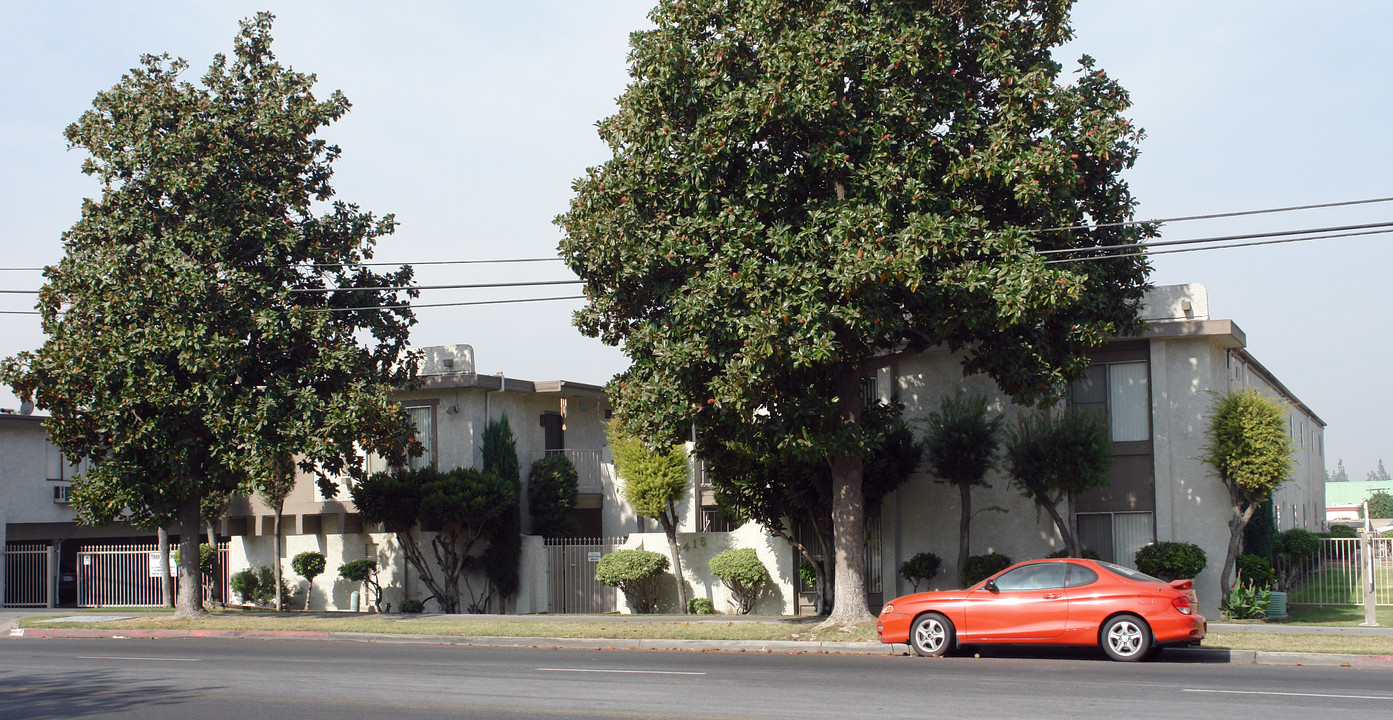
[10, 619]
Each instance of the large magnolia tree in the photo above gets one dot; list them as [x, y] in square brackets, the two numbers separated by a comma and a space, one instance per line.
[802, 193]
[193, 329]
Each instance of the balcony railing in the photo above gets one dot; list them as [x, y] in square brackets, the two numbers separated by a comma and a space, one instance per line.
[588, 468]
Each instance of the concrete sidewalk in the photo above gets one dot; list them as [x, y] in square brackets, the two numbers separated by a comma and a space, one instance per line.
[10, 619]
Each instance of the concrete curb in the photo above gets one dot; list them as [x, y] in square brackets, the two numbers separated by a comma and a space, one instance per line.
[1202, 655]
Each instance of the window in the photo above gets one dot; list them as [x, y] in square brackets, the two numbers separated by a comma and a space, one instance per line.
[1116, 537]
[1039, 576]
[424, 419]
[58, 466]
[1120, 392]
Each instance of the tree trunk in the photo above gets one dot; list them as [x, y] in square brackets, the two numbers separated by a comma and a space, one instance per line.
[964, 522]
[849, 545]
[276, 560]
[189, 601]
[1070, 543]
[214, 582]
[1238, 521]
[669, 522]
[848, 514]
[166, 577]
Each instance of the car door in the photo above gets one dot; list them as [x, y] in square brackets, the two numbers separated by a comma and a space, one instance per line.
[1025, 603]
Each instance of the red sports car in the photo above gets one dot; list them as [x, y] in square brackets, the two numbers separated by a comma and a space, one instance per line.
[1068, 601]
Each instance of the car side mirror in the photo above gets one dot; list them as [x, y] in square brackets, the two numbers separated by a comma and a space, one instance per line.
[990, 586]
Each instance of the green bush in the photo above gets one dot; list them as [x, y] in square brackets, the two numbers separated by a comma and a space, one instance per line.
[1292, 551]
[308, 565]
[638, 573]
[364, 570]
[743, 573]
[412, 606]
[1246, 601]
[552, 488]
[981, 567]
[1341, 531]
[1258, 571]
[920, 569]
[247, 587]
[1171, 560]
[701, 606]
[259, 587]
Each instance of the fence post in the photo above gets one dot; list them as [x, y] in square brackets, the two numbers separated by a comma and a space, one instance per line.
[1366, 545]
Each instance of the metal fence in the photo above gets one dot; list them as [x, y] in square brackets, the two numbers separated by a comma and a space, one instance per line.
[1335, 575]
[571, 583]
[26, 575]
[128, 576]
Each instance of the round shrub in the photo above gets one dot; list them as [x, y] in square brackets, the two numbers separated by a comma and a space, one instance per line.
[637, 573]
[701, 606]
[1171, 560]
[413, 606]
[981, 567]
[743, 573]
[920, 569]
[308, 564]
[1296, 546]
[1341, 531]
[246, 585]
[1257, 571]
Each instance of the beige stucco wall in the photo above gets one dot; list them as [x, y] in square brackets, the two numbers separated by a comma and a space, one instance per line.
[697, 549]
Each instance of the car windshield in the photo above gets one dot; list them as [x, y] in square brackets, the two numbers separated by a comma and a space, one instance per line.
[1128, 573]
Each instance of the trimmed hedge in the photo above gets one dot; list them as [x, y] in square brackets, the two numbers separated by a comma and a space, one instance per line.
[1256, 570]
[1171, 560]
[920, 569]
[638, 573]
[742, 572]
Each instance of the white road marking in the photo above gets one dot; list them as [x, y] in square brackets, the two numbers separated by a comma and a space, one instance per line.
[1291, 694]
[154, 659]
[624, 672]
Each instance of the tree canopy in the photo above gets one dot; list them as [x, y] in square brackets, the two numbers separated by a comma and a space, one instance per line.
[196, 322]
[1250, 448]
[802, 193]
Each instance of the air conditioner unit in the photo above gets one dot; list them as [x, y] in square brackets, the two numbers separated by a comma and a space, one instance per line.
[60, 493]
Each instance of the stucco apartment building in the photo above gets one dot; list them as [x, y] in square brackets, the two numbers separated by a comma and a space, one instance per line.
[1157, 391]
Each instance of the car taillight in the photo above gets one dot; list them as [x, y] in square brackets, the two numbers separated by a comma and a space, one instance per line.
[1181, 603]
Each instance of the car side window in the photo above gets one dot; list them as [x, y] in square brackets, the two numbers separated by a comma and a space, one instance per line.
[1080, 575]
[1038, 576]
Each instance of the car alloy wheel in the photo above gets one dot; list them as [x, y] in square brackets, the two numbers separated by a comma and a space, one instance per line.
[931, 635]
[1126, 638]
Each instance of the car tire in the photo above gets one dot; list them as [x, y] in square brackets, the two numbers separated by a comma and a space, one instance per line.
[932, 635]
[1125, 638]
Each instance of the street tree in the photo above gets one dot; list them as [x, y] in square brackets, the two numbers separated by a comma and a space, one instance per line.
[1248, 446]
[1053, 458]
[654, 482]
[960, 444]
[212, 306]
[800, 194]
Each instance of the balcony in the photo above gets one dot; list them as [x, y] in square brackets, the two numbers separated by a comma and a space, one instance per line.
[590, 470]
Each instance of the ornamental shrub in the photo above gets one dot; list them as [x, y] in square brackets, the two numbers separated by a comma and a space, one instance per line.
[259, 587]
[1342, 531]
[743, 573]
[981, 567]
[1171, 560]
[412, 606]
[1258, 571]
[701, 606]
[552, 488]
[245, 584]
[1292, 551]
[364, 570]
[920, 568]
[1086, 553]
[638, 573]
[308, 565]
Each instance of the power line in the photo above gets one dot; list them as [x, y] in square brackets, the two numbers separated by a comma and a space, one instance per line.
[453, 304]
[1221, 238]
[1111, 256]
[473, 286]
[441, 262]
[1216, 216]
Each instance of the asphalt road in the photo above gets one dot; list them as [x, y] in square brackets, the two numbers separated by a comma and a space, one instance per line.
[251, 679]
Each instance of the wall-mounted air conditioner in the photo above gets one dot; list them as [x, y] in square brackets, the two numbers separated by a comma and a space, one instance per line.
[60, 493]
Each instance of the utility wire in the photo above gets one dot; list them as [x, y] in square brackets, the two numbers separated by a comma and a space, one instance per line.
[433, 287]
[1110, 256]
[1221, 238]
[452, 304]
[1215, 216]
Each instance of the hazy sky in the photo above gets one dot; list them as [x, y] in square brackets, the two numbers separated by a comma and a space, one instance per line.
[471, 119]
